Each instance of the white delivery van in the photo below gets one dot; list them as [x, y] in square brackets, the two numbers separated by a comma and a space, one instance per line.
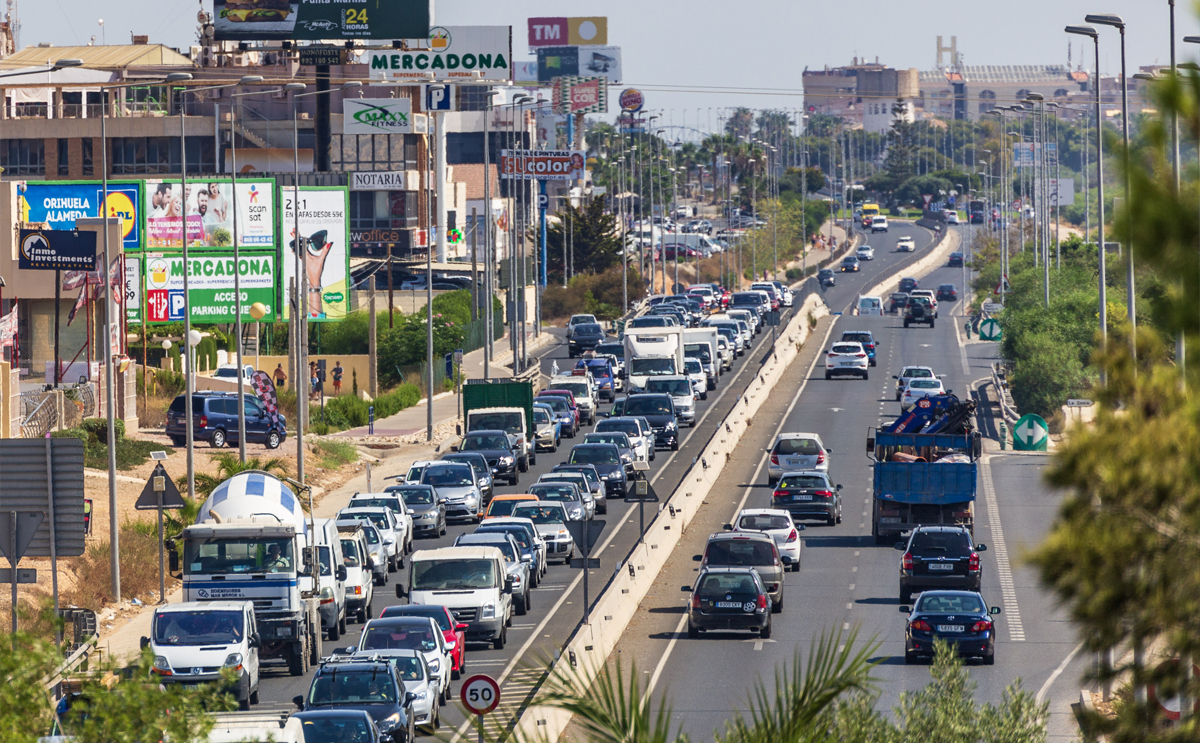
[194, 641]
[331, 584]
[356, 554]
[869, 306]
[472, 582]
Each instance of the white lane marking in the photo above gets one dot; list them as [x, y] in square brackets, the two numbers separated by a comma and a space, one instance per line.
[1008, 590]
[1057, 672]
[662, 662]
[962, 349]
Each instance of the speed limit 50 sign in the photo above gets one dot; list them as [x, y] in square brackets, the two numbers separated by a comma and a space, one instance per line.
[480, 694]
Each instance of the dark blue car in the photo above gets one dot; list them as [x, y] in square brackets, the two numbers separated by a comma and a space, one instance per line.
[960, 618]
[215, 420]
[602, 372]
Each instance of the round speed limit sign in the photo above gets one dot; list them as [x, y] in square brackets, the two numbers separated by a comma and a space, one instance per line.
[480, 694]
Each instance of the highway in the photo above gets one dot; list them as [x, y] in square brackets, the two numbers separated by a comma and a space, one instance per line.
[845, 580]
[557, 604]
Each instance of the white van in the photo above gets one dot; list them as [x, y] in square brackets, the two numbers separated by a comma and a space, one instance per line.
[470, 581]
[360, 587]
[194, 641]
[331, 583]
[869, 306]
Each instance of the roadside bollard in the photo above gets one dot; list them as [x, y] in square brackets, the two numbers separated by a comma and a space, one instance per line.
[1003, 435]
[371, 420]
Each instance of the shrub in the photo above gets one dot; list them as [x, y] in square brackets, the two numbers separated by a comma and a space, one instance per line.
[793, 274]
[139, 568]
[334, 454]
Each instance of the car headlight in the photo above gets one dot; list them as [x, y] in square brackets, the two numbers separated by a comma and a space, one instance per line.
[483, 482]
[390, 721]
[576, 513]
[626, 458]
[670, 425]
[489, 611]
[420, 695]
[435, 665]
[506, 460]
[234, 660]
[161, 663]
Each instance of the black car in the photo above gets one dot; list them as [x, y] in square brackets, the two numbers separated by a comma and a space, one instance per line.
[960, 618]
[956, 260]
[897, 301]
[918, 311]
[338, 725]
[850, 263]
[947, 293]
[606, 458]
[728, 599]
[939, 557]
[826, 277]
[908, 284]
[809, 494]
[483, 470]
[494, 445]
[584, 337]
[592, 475]
[215, 420]
[369, 686]
[659, 412]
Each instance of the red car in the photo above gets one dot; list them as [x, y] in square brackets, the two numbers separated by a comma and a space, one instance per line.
[455, 632]
[569, 397]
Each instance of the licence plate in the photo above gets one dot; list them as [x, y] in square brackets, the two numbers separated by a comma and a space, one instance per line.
[729, 604]
[946, 566]
[951, 627]
[795, 462]
[847, 363]
[802, 497]
[889, 520]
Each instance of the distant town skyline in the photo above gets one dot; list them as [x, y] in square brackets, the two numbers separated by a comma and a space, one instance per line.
[719, 54]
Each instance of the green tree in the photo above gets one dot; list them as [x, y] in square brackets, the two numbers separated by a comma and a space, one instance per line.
[591, 231]
[229, 465]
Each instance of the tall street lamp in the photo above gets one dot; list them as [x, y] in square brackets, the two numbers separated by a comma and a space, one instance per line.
[1095, 37]
[1042, 221]
[1108, 19]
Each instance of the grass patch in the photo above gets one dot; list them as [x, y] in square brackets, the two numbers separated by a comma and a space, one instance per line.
[139, 568]
[333, 454]
[93, 432]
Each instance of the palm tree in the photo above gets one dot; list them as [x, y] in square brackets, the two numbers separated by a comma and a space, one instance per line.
[229, 465]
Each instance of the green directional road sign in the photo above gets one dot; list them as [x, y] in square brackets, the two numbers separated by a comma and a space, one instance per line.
[1030, 434]
[989, 330]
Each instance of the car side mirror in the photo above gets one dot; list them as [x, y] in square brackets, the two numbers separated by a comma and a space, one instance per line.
[508, 585]
[298, 701]
[685, 589]
[460, 627]
[828, 450]
[906, 610]
[901, 546]
[145, 642]
[454, 447]
[949, 391]
[994, 610]
[839, 487]
[697, 558]
[801, 527]
[895, 377]
[409, 697]
[341, 572]
[255, 640]
[173, 561]
[981, 548]
[727, 527]
[400, 590]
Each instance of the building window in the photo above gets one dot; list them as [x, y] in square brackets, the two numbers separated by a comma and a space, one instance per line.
[86, 147]
[23, 156]
[145, 155]
[64, 158]
[354, 152]
[201, 155]
[472, 97]
[369, 210]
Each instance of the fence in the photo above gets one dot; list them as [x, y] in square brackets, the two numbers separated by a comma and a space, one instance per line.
[475, 332]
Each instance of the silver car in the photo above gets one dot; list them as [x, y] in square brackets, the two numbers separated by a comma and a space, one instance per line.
[682, 394]
[413, 672]
[550, 520]
[378, 550]
[456, 482]
[796, 451]
[577, 501]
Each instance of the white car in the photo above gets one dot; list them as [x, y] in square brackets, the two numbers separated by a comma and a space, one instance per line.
[847, 358]
[869, 307]
[643, 445]
[421, 634]
[879, 224]
[777, 524]
[230, 371]
[796, 451]
[909, 373]
[919, 388]
[415, 469]
[695, 372]
[928, 294]
[906, 244]
[389, 530]
[865, 253]
[951, 216]
[579, 320]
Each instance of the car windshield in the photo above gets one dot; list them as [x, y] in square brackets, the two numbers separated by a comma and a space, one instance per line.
[719, 584]
[652, 367]
[226, 372]
[646, 321]
[915, 373]
[595, 455]
[611, 349]
[739, 552]
[350, 553]
[453, 574]
[847, 348]
[692, 366]
[557, 403]
[673, 387]
[203, 627]
[417, 496]
[589, 473]
[599, 369]
[371, 534]
[414, 473]
[801, 482]
[857, 337]
[764, 522]
[483, 443]
[433, 611]
[851, 260]
[375, 517]
[940, 541]
[352, 687]
[583, 319]
[618, 439]
[541, 514]
[518, 533]
[503, 507]
[541, 416]
[376, 503]
[503, 545]
[641, 405]
[551, 491]
[627, 427]
[924, 384]
[962, 603]
[806, 447]
[341, 729]
[946, 288]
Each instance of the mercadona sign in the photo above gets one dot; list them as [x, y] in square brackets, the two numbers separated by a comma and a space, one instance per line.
[474, 52]
[210, 287]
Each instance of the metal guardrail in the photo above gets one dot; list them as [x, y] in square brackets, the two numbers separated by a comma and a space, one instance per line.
[1008, 408]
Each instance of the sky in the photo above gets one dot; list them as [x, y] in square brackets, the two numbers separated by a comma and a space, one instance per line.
[693, 58]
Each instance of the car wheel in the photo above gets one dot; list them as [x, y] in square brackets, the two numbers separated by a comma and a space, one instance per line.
[909, 658]
[693, 632]
[362, 615]
[218, 439]
[777, 607]
[498, 643]
[905, 596]
[533, 459]
[872, 362]
[522, 607]
[333, 633]
[990, 660]
[866, 375]
[342, 624]
[254, 697]
[931, 324]
[442, 529]
[765, 632]
[391, 564]
[897, 397]
[179, 440]
[273, 440]
[554, 447]
[828, 376]
[675, 445]
[906, 323]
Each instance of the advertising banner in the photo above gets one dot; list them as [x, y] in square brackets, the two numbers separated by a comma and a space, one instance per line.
[632, 100]
[60, 204]
[210, 286]
[132, 298]
[567, 61]
[474, 52]
[317, 20]
[57, 250]
[324, 235]
[377, 116]
[581, 95]
[573, 31]
[209, 209]
[542, 165]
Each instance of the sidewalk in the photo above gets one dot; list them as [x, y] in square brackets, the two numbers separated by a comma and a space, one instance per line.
[445, 405]
[813, 256]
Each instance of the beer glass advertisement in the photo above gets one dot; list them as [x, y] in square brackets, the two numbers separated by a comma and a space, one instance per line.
[209, 207]
[324, 231]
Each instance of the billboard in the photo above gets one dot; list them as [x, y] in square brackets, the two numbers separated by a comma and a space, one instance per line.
[59, 204]
[377, 116]
[324, 232]
[471, 52]
[542, 165]
[568, 31]
[566, 61]
[209, 209]
[317, 20]
[210, 286]
[133, 289]
[580, 95]
[56, 250]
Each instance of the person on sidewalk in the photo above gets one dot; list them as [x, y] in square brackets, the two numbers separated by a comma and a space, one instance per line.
[337, 378]
[280, 376]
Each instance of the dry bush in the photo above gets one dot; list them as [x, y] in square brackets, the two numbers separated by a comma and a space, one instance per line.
[139, 568]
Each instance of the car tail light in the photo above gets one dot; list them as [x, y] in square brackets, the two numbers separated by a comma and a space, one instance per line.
[779, 493]
[695, 601]
[920, 625]
[204, 421]
[793, 536]
[832, 355]
[774, 459]
[820, 456]
[906, 562]
[860, 355]
[984, 626]
[973, 561]
[823, 493]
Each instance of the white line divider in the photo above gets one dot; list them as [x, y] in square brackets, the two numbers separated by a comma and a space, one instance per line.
[1008, 588]
[951, 239]
[616, 606]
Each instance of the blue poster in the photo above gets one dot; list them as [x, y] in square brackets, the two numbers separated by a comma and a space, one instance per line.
[60, 204]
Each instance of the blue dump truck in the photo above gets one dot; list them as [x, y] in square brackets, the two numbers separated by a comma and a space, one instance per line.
[926, 468]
